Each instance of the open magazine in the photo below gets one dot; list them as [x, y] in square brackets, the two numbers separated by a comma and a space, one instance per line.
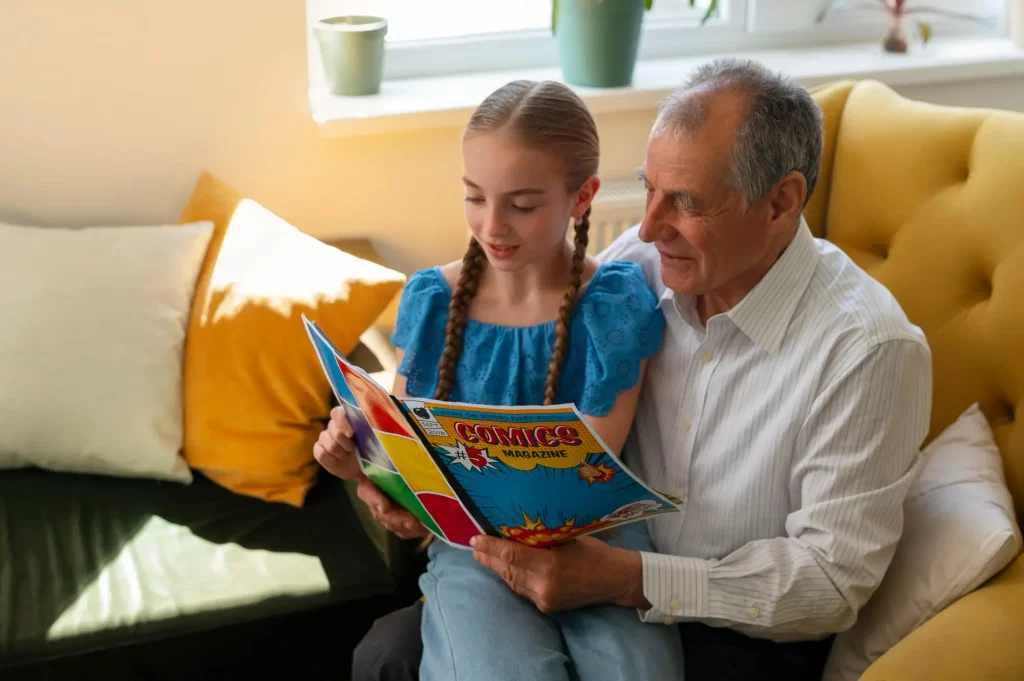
[536, 475]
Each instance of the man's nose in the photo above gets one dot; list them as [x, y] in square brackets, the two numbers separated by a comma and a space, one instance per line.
[654, 226]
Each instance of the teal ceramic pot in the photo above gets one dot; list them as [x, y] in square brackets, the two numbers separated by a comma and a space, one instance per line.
[598, 41]
[352, 51]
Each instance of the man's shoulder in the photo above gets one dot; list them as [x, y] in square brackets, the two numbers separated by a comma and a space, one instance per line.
[856, 304]
[628, 246]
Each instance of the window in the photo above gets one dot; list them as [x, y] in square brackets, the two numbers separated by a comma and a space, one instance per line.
[411, 20]
[435, 37]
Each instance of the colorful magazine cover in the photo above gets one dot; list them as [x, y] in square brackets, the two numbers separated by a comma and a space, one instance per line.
[536, 475]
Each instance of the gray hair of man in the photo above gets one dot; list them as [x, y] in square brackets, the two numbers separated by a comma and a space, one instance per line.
[782, 131]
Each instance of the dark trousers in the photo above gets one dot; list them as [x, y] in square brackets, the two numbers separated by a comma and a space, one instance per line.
[391, 652]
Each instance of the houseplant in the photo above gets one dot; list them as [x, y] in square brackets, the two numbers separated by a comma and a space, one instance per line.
[896, 39]
[598, 40]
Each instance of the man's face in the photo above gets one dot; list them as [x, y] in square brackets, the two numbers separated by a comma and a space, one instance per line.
[695, 215]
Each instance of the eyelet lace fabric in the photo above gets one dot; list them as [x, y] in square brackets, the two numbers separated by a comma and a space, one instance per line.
[615, 326]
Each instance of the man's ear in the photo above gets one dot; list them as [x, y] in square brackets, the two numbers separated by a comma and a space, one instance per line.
[786, 201]
[585, 196]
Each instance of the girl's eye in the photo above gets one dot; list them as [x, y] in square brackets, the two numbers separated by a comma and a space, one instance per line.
[524, 209]
[475, 200]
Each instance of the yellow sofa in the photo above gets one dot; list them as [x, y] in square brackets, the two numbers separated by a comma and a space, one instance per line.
[930, 201]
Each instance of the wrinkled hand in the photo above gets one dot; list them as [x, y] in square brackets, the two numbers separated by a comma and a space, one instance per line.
[335, 450]
[585, 571]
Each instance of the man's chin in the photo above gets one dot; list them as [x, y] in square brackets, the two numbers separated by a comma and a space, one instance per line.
[682, 282]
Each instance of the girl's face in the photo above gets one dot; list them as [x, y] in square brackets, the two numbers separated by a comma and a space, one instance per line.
[517, 204]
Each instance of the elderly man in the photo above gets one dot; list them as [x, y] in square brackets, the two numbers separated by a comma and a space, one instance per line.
[786, 408]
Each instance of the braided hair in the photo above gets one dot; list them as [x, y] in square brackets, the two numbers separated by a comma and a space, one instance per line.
[579, 256]
[549, 116]
[473, 263]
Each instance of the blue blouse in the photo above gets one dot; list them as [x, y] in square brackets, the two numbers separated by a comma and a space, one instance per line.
[615, 325]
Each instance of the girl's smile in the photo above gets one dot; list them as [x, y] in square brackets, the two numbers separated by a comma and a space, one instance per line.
[501, 252]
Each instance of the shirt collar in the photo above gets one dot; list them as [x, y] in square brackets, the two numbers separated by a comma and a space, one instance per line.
[764, 314]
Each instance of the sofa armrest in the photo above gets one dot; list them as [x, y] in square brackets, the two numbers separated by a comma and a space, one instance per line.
[981, 636]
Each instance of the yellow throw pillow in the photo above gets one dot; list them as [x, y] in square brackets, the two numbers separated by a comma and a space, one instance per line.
[255, 395]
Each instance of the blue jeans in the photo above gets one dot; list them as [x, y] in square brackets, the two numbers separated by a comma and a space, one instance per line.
[475, 627]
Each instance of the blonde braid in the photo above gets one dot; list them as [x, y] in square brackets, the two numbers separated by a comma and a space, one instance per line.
[458, 310]
[579, 256]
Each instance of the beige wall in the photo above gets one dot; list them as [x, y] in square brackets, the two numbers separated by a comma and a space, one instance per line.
[110, 108]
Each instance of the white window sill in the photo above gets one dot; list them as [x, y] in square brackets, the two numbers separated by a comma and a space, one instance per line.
[448, 101]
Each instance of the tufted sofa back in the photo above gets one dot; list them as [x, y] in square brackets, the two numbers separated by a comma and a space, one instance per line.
[930, 201]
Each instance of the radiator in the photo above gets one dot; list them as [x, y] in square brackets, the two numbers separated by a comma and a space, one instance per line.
[618, 206]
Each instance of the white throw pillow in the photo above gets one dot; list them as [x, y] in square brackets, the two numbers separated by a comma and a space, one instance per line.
[959, 531]
[92, 331]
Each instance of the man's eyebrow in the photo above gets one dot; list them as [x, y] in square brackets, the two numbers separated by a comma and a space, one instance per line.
[518, 192]
[685, 199]
[680, 196]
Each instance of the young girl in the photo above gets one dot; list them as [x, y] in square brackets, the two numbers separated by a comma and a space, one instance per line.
[527, 318]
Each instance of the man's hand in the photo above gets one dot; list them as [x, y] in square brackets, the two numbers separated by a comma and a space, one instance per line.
[585, 571]
[394, 518]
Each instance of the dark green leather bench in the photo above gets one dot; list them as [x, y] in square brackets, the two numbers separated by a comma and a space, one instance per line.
[112, 578]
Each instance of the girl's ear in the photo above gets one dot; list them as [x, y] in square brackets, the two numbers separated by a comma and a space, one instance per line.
[585, 196]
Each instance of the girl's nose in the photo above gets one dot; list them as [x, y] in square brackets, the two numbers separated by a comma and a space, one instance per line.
[494, 223]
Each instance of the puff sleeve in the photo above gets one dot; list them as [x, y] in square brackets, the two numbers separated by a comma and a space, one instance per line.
[624, 327]
[419, 329]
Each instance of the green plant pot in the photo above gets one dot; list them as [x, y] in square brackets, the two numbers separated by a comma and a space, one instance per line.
[598, 41]
[352, 52]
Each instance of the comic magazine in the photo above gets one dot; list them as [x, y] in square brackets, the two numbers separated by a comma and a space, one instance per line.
[536, 475]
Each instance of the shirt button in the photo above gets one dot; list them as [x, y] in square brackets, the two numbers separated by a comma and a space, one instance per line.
[687, 424]
[707, 357]
[675, 604]
[753, 612]
[669, 620]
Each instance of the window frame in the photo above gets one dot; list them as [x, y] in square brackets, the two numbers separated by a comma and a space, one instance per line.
[537, 48]
[739, 25]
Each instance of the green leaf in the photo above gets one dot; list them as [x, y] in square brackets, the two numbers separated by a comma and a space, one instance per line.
[712, 6]
[554, 16]
[711, 10]
[925, 29]
[648, 3]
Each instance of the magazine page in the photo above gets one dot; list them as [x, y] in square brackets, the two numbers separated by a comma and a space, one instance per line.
[537, 475]
[391, 453]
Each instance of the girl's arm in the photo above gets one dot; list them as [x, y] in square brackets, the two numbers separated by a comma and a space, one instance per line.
[614, 426]
[398, 387]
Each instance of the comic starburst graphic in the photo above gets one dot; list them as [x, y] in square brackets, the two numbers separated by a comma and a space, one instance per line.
[470, 458]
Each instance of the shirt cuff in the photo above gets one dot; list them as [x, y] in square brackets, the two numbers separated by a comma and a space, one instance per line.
[675, 586]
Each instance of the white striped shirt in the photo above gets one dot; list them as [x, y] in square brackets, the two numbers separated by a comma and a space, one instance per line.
[791, 429]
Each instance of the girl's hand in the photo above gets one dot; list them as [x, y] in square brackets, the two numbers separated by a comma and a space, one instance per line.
[335, 449]
[392, 517]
